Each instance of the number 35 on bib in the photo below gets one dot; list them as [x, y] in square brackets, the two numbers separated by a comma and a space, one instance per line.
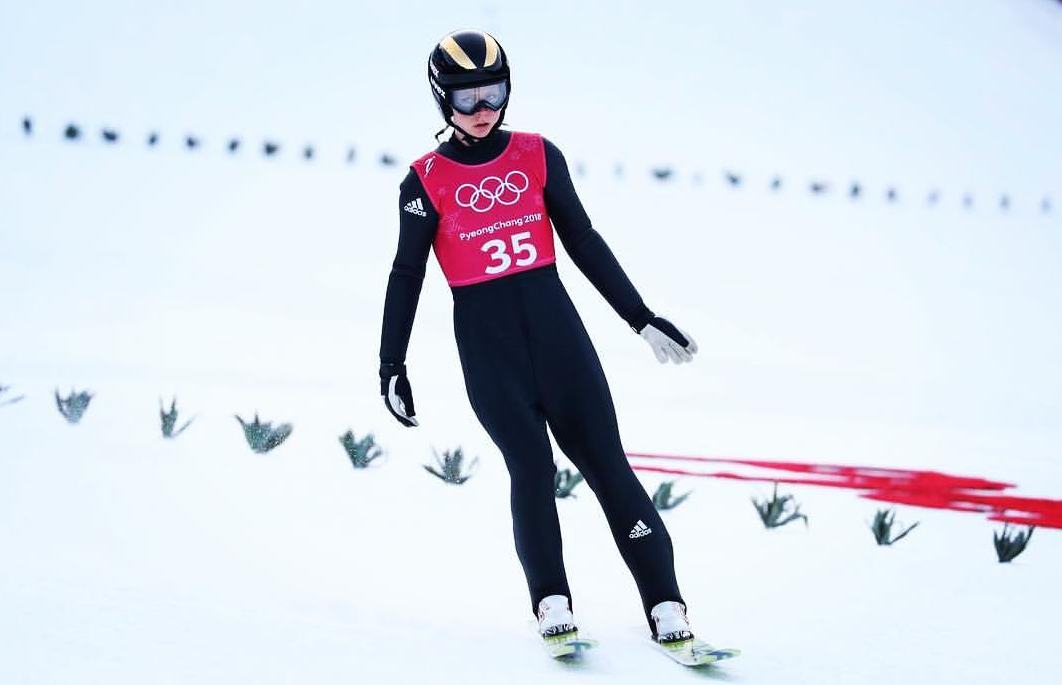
[501, 260]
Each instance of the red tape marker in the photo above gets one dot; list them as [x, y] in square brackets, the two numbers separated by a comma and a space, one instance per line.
[931, 489]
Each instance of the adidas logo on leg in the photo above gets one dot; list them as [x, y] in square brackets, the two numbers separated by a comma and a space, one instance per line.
[415, 207]
[640, 530]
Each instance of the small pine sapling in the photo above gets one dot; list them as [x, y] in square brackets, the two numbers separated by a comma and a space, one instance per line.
[9, 400]
[662, 498]
[362, 452]
[262, 437]
[1011, 544]
[169, 420]
[451, 467]
[882, 527]
[73, 406]
[777, 512]
[565, 481]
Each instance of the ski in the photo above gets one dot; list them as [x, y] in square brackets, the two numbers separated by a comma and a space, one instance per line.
[695, 652]
[567, 645]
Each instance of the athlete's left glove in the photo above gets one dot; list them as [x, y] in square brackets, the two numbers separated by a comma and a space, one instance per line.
[397, 395]
[668, 341]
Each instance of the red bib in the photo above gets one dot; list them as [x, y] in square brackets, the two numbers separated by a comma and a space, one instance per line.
[492, 217]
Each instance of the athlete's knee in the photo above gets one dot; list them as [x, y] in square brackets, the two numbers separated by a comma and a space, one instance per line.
[605, 468]
[530, 466]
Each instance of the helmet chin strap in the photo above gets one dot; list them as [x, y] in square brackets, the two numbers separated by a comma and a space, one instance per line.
[470, 139]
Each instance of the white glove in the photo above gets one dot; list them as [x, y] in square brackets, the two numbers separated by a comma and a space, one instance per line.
[668, 341]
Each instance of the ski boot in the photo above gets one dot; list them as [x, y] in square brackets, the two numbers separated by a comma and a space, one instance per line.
[556, 626]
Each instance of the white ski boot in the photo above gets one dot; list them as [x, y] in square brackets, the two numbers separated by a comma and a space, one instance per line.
[556, 627]
[555, 616]
[670, 624]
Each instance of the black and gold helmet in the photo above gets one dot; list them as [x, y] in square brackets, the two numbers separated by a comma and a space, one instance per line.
[467, 59]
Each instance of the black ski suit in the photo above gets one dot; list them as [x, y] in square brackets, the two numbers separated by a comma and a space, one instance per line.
[528, 363]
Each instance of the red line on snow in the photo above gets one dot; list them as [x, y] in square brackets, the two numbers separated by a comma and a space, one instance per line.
[931, 489]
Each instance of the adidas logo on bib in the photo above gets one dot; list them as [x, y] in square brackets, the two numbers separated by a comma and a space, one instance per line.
[640, 530]
[415, 207]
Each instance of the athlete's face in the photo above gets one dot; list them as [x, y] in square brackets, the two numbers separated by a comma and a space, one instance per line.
[477, 123]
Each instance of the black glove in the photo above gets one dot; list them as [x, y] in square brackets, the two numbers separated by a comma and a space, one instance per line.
[397, 395]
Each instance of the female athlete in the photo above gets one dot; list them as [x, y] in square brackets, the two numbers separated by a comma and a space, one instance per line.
[485, 200]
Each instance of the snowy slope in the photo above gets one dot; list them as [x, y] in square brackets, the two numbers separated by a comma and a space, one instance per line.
[128, 557]
[831, 331]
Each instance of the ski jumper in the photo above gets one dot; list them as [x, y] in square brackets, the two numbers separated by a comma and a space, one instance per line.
[527, 360]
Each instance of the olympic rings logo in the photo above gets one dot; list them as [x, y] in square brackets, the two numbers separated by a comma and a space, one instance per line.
[492, 189]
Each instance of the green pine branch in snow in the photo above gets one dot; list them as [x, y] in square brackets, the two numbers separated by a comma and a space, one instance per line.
[778, 511]
[262, 437]
[662, 498]
[451, 466]
[73, 406]
[565, 481]
[882, 527]
[1011, 544]
[362, 452]
[169, 420]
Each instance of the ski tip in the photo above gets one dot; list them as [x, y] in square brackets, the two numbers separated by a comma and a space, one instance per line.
[720, 654]
[569, 646]
[696, 652]
[570, 650]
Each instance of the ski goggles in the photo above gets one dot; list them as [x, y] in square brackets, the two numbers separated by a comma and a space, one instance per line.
[468, 100]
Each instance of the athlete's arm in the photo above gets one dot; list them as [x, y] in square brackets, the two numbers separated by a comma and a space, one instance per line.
[586, 246]
[593, 257]
[415, 235]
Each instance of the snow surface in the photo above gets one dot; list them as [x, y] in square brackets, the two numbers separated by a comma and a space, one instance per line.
[831, 331]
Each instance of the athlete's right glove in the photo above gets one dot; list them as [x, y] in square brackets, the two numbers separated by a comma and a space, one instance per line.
[668, 341]
[397, 395]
